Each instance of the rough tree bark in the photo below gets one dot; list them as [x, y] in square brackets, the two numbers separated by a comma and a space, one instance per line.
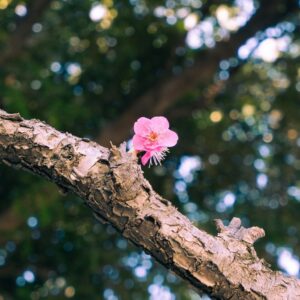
[112, 184]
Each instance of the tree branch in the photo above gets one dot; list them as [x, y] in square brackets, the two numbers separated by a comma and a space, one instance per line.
[161, 97]
[17, 40]
[112, 184]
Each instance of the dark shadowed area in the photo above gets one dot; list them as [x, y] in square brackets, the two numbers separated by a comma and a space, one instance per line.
[227, 76]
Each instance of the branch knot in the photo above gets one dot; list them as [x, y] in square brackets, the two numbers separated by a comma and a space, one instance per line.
[236, 230]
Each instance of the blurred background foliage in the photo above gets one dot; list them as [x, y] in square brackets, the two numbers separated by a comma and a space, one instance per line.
[82, 66]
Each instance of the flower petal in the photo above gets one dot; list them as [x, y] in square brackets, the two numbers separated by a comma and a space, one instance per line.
[142, 126]
[138, 142]
[168, 139]
[145, 158]
[159, 124]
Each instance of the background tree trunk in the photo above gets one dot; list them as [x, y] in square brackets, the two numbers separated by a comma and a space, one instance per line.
[19, 37]
[161, 97]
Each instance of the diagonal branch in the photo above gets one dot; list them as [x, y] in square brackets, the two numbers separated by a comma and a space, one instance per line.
[17, 40]
[167, 92]
[112, 184]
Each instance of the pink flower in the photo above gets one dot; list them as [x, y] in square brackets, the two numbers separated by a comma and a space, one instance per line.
[154, 137]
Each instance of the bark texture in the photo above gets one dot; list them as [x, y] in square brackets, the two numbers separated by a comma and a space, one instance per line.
[112, 185]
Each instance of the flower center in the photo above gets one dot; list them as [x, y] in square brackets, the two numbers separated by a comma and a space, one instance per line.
[153, 136]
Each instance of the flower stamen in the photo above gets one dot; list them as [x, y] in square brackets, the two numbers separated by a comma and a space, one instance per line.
[158, 156]
[153, 136]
